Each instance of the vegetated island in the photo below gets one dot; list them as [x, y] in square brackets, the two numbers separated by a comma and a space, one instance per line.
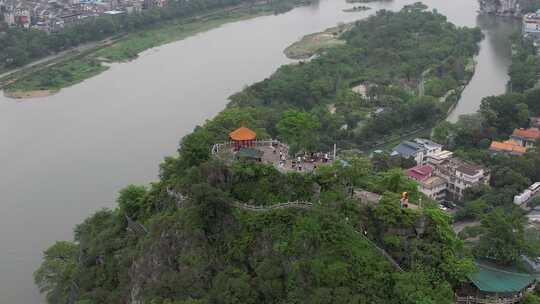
[357, 9]
[127, 38]
[215, 231]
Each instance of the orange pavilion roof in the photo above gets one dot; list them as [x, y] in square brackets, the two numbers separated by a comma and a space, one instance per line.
[242, 134]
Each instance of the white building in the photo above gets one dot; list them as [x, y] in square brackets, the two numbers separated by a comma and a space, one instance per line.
[461, 175]
[531, 24]
[420, 150]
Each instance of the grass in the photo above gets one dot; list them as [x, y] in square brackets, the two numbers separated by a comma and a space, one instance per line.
[61, 75]
[75, 69]
[312, 44]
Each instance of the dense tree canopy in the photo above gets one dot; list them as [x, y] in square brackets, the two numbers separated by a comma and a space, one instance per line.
[183, 239]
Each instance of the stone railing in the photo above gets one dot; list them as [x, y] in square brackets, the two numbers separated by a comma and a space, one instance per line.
[288, 205]
[476, 300]
[217, 148]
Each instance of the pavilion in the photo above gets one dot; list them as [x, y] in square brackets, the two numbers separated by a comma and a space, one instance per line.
[242, 137]
[493, 285]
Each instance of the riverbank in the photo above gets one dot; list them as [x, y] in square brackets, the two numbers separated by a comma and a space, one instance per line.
[315, 43]
[74, 68]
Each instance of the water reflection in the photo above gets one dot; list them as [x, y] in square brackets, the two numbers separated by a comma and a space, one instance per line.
[493, 62]
[65, 156]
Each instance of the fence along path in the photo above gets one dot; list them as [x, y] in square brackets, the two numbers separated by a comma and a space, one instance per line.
[299, 205]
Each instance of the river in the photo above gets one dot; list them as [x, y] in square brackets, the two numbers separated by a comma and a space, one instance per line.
[65, 156]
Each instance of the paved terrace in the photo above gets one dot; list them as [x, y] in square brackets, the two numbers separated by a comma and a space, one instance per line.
[272, 149]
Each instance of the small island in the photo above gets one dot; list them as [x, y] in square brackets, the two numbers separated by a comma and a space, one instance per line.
[357, 9]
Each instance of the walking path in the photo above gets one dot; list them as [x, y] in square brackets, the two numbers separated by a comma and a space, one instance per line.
[288, 205]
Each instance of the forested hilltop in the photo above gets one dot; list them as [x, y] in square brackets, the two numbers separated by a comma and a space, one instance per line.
[186, 239]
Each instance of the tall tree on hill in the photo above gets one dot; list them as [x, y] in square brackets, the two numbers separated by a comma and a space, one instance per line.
[504, 240]
[299, 129]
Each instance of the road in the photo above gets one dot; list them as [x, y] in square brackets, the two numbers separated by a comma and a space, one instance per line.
[75, 50]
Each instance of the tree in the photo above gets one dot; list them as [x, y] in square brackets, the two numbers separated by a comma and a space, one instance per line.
[195, 147]
[55, 275]
[504, 238]
[395, 181]
[130, 200]
[354, 170]
[299, 129]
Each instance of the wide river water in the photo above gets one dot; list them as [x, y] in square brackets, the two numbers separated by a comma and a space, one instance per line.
[65, 156]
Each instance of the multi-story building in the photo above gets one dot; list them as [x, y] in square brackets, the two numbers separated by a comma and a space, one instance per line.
[460, 175]
[420, 150]
[432, 186]
[526, 137]
[531, 24]
[438, 158]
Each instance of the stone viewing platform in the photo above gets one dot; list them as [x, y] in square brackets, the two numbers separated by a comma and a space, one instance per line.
[243, 145]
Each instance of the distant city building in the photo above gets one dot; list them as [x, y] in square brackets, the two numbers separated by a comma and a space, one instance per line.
[54, 15]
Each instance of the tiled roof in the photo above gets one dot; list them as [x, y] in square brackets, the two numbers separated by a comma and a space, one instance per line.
[243, 134]
[420, 173]
[469, 169]
[433, 182]
[426, 143]
[507, 146]
[532, 133]
[407, 148]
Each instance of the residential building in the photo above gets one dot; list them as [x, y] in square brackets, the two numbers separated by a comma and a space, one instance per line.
[438, 158]
[531, 24]
[432, 186]
[509, 147]
[420, 149]
[411, 150]
[526, 137]
[461, 175]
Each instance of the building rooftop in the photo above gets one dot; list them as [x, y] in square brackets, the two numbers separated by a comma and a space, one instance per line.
[507, 146]
[242, 133]
[490, 278]
[531, 133]
[428, 144]
[433, 182]
[420, 173]
[469, 169]
[407, 148]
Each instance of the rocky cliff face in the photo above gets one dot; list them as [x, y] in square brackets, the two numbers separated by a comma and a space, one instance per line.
[505, 7]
